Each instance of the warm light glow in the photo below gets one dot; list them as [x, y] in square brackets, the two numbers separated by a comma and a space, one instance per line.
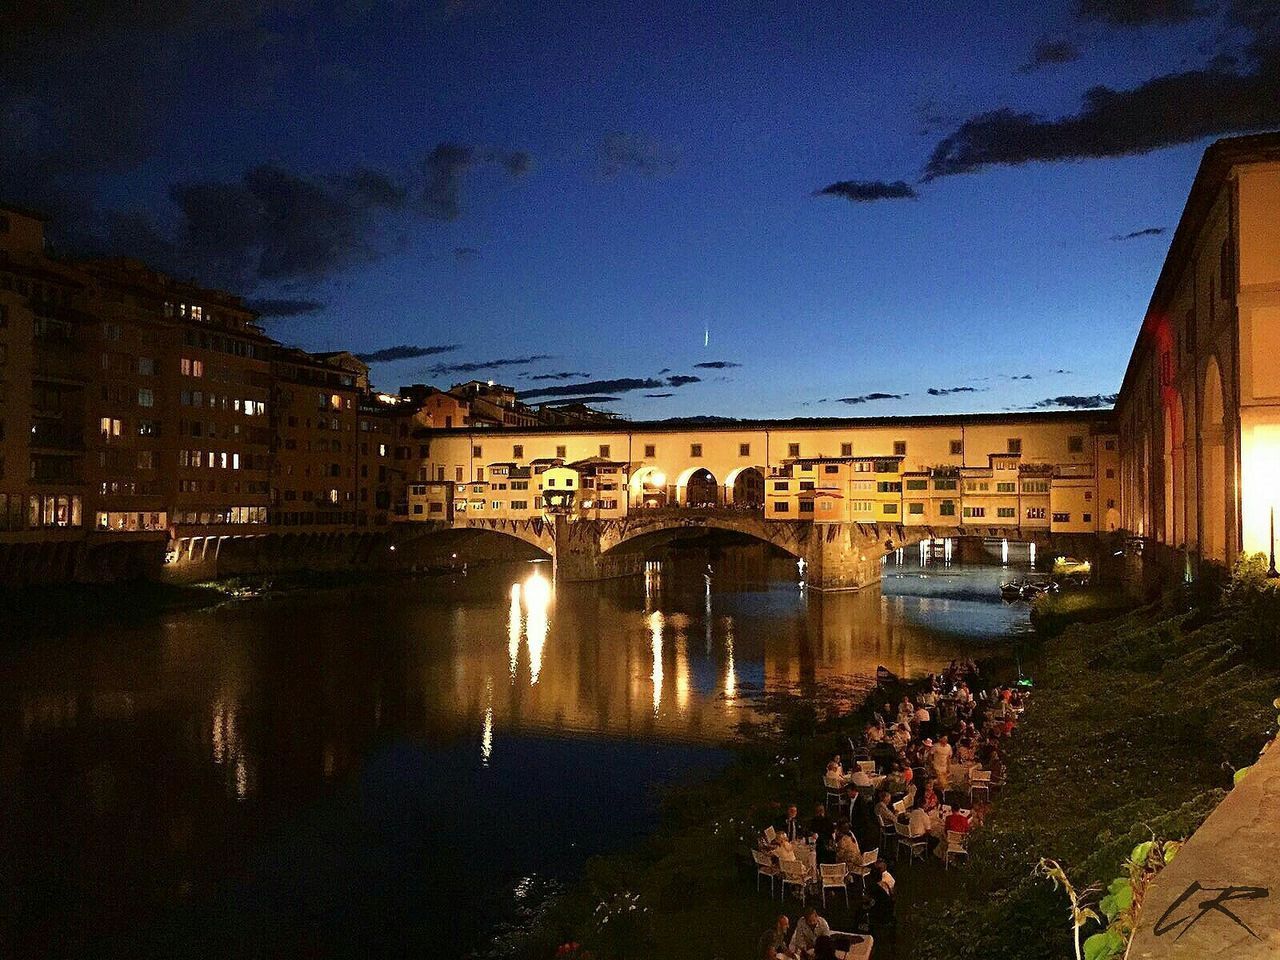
[1260, 484]
[730, 674]
[682, 671]
[537, 598]
[655, 641]
[513, 630]
[656, 479]
[486, 733]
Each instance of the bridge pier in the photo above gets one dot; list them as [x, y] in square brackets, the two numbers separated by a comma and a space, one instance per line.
[840, 556]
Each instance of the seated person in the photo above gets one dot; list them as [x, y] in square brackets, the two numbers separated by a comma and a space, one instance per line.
[809, 928]
[773, 942]
[783, 848]
[929, 801]
[956, 822]
[847, 849]
[835, 768]
[918, 822]
[860, 778]
[884, 809]
[790, 826]
[886, 878]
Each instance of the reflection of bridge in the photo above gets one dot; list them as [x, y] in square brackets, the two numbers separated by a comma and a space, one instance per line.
[837, 556]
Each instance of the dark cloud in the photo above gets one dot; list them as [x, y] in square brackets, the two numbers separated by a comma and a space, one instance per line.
[867, 191]
[716, 365]
[465, 254]
[635, 153]
[1140, 13]
[565, 403]
[1076, 402]
[559, 375]
[656, 396]
[284, 307]
[404, 352]
[449, 163]
[681, 379]
[1167, 110]
[1146, 232]
[947, 391]
[1024, 376]
[478, 365]
[868, 397]
[619, 385]
[664, 370]
[1051, 52]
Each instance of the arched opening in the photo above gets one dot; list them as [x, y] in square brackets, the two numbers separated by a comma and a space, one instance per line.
[745, 488]
[699, 489]
[649, 488]
[1174, 481]
[1190, 477]
[1214, 466]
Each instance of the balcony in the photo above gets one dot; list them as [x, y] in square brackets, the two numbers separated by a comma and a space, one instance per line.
[56, 360]
[52, 436]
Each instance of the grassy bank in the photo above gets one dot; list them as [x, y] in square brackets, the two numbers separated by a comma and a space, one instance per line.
[1136, 725]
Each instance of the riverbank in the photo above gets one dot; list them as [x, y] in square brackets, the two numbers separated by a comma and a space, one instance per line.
[1136, 726]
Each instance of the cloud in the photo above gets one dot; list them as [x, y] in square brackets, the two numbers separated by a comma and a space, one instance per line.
[284, 307]
[867, 191]
[656, 396]
[559, 375]
[619, 385]
[475, 366]
[1050, 53]
[1145, 232]
[1164, 111]
[404, 352]
[562, 403]
[635, 153]
[449, 163]
[716, 365]
[1141, 13]
[947, 391]
[1024, 376]
[1077, 402]
[868, 397]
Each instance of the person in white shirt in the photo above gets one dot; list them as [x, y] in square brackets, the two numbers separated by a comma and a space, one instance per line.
[940, 760]
[860, 778]
[809, 928]
[887, 883]
[918, 822]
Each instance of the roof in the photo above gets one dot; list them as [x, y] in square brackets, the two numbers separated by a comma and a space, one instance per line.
[1215, 169]
[24, 211]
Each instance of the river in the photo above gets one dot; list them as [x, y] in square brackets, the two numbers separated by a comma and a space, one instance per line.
[388, 770]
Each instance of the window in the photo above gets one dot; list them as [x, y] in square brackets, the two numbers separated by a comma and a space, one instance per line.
[695, 449]
[1111, 474]
[560, 452]
[146, 460]
[1015, 445]
[975, 512]
[604, 451]
[1006, 486]
[782, 485]
[793, 450]
[945, 484]
[863, 506]
[477, 451]
[519, 504]
[831, 468]
[496, 504]
[650, 450]
[146, 398]
[517, 451]
[917, 484]
[957, 448]
[806, 484]
[1075, 444]
[947, 508]
[1035, 513]
[846, 449]
[1007, 513]
[744, 449]
[915, 509]
[146, 366]
[1062, 518]
[109, 427]
[890, 508]
[781, 506]
[1110, 443]
[1035, 486]
[889, 486]
[886, 466]
[899, 448]
[806, 506]
[1088, 495]
[1088, 518]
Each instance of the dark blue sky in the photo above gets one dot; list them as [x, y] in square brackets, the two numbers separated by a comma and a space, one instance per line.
[602, 183]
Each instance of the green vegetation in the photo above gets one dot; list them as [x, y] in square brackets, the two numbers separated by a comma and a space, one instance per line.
[1132, 738]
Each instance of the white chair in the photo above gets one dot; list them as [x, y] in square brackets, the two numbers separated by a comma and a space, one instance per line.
[765, 867]
[863, 869]
[887, 831]
[900, 807]
[795, 874]
[770, 834]
[957, 846]
[835, 788]
[836, 876]
[915, 846]
[980, 782]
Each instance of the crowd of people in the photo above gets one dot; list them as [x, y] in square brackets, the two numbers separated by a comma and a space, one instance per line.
[920, 777]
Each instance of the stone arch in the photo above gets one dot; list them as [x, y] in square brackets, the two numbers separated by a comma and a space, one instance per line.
[1190, 476]
[649, 488]
[697, 487]
[782, 535]
[744, 487]
[1173, 530]
[1213, 458]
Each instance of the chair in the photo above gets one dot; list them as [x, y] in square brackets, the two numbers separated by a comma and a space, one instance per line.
[957, 846]
[915, 846]
[861, 870]
[900, 806]
[867, 766]
[765, 867]
[795, 874]
[980, 782]
[835, 790]
[834, 875]
[887, 831]
[770, 834]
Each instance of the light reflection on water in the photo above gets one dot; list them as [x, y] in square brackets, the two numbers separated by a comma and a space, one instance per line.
[290, 758]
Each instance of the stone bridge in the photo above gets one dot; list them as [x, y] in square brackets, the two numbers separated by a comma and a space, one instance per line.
[837, 556]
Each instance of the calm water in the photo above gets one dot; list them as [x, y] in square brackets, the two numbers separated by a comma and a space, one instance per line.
[385, 771]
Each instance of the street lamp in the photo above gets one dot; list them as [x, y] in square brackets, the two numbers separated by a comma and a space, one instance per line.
[1272, 572]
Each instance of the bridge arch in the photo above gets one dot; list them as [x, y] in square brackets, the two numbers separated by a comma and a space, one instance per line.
[649, 488]
[697, 487]
[744, 487]
[788, 537]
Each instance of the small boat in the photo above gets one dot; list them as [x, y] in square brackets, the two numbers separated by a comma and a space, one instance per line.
[885, 675]
[1025, 589]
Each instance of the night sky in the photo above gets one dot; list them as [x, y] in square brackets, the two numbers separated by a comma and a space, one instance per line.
[867, 207]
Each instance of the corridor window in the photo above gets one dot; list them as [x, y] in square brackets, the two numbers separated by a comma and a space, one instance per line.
[915, 509]
[1062, 518]
[650, 451]
[517, 451]
[1075, 444]
[695, 449]
[899, 448]
[604, 451]
[1015, 445]
[477, 451]
[560, 452]
[744, 449]
[957, 448]
[947, 508]
[1035, 513]
[1008, 513]
[846, 449]
[793, 449]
